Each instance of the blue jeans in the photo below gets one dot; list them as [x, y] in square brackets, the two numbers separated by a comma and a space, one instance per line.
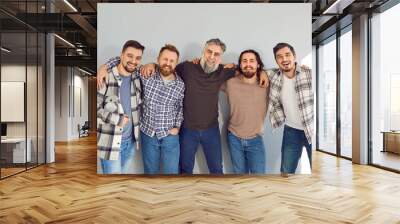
[210, 140]
[164, 152]
[248, 155]
[292, 147]
[120, 166]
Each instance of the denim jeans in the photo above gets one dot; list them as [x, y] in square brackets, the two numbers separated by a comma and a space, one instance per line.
[120, 166]
[292, 147]
[210, 140]
[162, 152]
[248, 155]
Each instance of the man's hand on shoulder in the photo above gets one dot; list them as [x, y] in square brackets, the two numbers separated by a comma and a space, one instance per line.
[102, 76]
[230, 66]
[195, 61]
[305, 67]
[264, 81]
[148, 70]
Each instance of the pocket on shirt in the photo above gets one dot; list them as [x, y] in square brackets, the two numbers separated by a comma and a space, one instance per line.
[109, 129]
[111, 104]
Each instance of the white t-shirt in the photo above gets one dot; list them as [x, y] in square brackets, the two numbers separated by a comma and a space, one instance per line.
[290, 103]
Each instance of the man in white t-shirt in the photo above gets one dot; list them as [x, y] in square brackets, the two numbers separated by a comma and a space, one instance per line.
[291, 103]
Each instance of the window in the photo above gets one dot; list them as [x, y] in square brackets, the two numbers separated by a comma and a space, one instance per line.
[385, 89]
[327, 96]
[346, 75]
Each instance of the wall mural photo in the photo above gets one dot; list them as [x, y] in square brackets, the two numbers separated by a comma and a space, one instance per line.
[204, 89]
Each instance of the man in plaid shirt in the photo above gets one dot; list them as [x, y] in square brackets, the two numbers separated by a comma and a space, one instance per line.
[291, 102]
[162, 114]
[118, 109]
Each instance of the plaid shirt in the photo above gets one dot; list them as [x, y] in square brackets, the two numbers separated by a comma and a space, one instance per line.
[163, 104]
[305, 97]
[110, 114]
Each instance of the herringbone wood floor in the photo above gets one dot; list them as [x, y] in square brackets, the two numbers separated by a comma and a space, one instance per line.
[70, 191]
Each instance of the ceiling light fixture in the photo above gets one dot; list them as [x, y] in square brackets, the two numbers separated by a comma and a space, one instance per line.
[70, 5]
[5, 50]
[332, 9]
[65, 41]
[84, 71]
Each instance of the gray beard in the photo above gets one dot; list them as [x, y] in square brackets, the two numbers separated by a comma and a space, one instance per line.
[207, 69]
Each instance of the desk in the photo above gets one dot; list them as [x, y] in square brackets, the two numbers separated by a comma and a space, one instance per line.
[15, 148]
[391, 141]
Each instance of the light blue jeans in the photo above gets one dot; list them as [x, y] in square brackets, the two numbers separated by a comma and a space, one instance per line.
[162, 153]
[120, 166]
[248, 155]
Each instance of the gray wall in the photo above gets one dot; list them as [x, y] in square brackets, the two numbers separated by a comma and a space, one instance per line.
[187, 26]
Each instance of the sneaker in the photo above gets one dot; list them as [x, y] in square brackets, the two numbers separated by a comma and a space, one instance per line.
[283, 174]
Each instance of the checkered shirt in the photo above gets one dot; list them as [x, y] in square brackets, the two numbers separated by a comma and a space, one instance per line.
[110, 114]
[305, 96]
[163, 103]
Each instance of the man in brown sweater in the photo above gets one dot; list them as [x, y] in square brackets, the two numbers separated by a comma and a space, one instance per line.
[248, 108]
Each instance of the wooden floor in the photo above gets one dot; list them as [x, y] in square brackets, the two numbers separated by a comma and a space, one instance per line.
[387, 159]
[70, 191]
[10, 171]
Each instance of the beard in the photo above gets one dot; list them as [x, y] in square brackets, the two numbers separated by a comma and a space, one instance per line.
[166, 70]
[248, 73]
[130, 70]
[287, 68]
[207, 68]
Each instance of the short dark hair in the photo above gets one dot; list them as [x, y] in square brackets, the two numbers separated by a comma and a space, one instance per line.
[169, 47]
[283, 45]
[258, 58]
[134, 44]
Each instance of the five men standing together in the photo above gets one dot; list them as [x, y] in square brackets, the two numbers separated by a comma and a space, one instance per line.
[183, 99]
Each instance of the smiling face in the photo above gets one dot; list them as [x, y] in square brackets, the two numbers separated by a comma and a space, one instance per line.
[167, 61]
[211, 58]
[130, 58]
[249, 65]
[285, 59]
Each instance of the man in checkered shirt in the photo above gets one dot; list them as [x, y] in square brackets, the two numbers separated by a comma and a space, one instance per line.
[162, 114]
[118, 109]
[291, 102]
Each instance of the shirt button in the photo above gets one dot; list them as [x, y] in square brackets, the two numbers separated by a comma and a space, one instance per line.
[117, 143]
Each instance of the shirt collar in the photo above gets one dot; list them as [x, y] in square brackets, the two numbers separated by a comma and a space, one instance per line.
[118, 76]
[158, 77]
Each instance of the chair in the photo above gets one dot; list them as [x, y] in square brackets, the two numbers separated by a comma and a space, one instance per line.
[84, 130]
